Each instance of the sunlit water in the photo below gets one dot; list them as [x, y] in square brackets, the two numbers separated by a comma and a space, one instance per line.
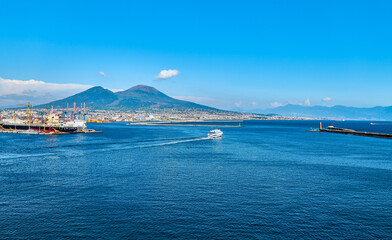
[268, 180]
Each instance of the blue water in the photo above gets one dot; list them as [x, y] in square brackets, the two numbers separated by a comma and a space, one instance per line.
[268, 180]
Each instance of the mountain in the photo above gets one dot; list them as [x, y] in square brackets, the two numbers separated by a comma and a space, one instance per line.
[140, 97]
[335, 112]
[95, 97]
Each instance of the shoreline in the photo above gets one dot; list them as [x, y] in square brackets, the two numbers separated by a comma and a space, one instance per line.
[190, 123]
[182, 124]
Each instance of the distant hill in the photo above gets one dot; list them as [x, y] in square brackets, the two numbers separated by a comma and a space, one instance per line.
[140, 97]
[335, 112]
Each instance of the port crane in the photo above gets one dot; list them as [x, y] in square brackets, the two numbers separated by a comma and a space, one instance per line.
[28, 105]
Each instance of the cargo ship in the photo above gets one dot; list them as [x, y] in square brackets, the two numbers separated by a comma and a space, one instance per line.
[51, 123]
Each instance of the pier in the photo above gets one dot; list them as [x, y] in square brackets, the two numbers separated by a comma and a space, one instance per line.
[346, 131]
[357, 133]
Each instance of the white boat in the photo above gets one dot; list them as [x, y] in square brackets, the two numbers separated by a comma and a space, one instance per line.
[79, 124]
[30, 132]
[215, 133]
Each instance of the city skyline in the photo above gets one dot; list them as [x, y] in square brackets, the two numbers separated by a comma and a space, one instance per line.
[221, 54]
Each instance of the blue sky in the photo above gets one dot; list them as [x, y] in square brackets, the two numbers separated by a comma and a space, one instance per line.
[247, 54]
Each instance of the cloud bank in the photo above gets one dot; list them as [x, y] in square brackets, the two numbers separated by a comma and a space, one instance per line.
[166, 74]
[280, 104]
[327, 99]
[14, 91]
[276, 104]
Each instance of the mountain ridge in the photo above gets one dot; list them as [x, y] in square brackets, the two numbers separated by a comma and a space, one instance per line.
[139, 97]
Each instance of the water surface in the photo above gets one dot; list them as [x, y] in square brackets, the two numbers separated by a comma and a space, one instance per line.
[268, 180]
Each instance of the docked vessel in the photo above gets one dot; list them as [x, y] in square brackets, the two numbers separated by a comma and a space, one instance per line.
[43, 127]
[215, 133]
[49, 123]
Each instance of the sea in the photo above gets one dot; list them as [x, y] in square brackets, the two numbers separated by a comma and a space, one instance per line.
[265, 180]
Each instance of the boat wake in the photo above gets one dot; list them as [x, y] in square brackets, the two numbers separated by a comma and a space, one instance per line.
[173, 142]
[14, 155]
[107, 143]
[380, 123]
[61, 152]
[121, 146]
[10, 159]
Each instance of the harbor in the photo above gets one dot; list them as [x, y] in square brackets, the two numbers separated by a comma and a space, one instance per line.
[51, 123]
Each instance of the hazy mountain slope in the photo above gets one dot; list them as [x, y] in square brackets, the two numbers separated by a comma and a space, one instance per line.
[335, 112]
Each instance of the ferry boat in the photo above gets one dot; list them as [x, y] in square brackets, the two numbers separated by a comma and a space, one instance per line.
[215, 133]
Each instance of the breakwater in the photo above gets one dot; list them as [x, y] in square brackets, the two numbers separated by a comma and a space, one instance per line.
[352, 132]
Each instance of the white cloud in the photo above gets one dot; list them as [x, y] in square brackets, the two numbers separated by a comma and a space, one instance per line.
[16, 91]
[116, 90]
[165, 74]
[327, 99]
[102, 74]
[305, 103]
[276, 104]
[279, 104]
[238, 104]
[253, 103]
